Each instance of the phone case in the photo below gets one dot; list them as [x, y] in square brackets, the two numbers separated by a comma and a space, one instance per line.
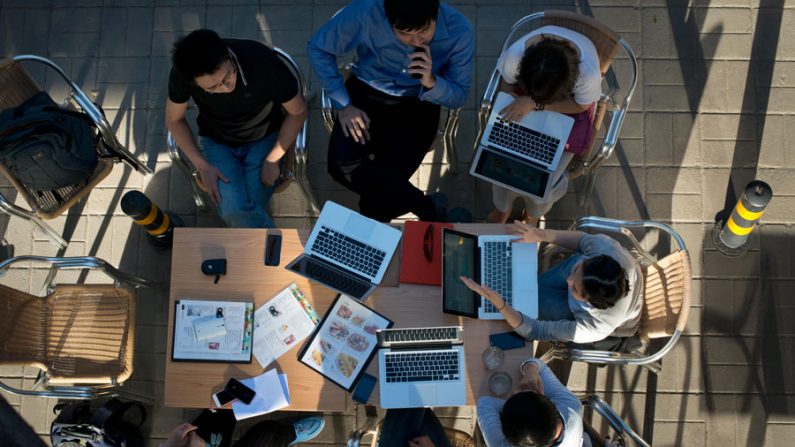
[363, 390]
[273, 249]
[240, 391]
[507, 340]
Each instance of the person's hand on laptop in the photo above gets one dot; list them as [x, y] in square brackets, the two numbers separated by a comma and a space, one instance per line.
[520, 107]
[354, 123]
[494, 298]
[526, 232]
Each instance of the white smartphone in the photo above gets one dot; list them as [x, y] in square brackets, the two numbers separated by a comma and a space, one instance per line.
[222, 398]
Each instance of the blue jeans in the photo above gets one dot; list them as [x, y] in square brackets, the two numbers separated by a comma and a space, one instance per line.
[244, 200]
[553, 291]
[404, 424]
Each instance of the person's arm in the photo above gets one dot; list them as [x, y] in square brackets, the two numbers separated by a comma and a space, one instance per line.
[180, 130]
[452, 85]
[565, 402]
[569, 240]
[567, 106]
[489, 420]
[291, 126]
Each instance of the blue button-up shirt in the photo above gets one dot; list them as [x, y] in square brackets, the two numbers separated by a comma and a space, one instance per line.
[382, 58]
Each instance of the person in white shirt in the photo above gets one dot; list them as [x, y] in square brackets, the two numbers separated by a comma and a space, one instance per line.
[593, 296]
[542, 412]
[555, 69]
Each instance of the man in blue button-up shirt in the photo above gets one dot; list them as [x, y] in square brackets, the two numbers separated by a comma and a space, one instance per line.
[413, 56]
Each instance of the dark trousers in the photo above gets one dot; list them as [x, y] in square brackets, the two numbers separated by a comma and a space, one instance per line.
[402, 130]
[402, 425]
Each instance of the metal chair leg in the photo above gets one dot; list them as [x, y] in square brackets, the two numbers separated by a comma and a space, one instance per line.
[450, 132]
[176, 158]
[13, 210]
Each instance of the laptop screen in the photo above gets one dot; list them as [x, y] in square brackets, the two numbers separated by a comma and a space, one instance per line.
[459, 258]
[512, 171]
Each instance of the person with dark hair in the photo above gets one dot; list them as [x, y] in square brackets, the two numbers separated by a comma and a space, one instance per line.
[250, 113]
[413, 56]
[554, 69]
[541, 412]
[591, 299]
[412, 427]
[268, 433]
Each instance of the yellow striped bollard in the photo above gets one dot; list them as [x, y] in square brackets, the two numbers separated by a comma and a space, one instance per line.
[158, 223]
[732, 237]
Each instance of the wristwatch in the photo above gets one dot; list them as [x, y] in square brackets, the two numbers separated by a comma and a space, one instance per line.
[525, 363]
[539, 107]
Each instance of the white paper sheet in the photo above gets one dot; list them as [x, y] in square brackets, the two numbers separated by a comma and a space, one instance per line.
[272, 394]
[281, 324]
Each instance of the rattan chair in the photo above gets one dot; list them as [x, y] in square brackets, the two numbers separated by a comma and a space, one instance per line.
[615, 101]
[457, 438]
[446, 135]
[294, 163]
[666, 296]
[611, 417]
[16, 86]
[81, 337]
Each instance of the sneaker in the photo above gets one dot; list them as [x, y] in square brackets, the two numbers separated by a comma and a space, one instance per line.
[307, 428]
[459, 215]
[439, 206]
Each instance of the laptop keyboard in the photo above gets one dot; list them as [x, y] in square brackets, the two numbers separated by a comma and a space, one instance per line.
[523, 140]
[497, 265]
[349, 252]
[397, 337]
[335, 279]
[425, 366]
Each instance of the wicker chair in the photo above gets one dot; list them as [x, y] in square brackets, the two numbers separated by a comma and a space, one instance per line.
[457, 438]
[294, 163]
[16, 86]
[616, 101]
[666, 297]
[81, 337]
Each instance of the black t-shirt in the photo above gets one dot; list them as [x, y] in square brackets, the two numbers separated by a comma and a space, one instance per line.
[250, 111]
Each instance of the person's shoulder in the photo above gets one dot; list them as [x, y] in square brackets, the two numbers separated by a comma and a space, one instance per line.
[457, 23]
[248, 47]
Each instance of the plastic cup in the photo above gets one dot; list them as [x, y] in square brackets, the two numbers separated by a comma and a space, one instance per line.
[493, 357]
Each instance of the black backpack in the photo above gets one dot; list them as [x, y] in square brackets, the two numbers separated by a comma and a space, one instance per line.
[45, 146]
[76, 425]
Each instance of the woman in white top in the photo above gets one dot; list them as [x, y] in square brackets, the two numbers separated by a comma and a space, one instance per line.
[555, 69]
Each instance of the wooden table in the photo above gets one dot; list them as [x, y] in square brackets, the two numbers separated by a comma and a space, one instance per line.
[190, 384]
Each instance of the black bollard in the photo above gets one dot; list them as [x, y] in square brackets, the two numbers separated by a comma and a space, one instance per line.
[158, 223]
[732, 237]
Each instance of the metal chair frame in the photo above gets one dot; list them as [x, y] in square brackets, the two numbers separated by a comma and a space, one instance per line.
[612, 418]
[650, 361]
[117, 151]
[298, 170]
[617, 107]
[74, 263]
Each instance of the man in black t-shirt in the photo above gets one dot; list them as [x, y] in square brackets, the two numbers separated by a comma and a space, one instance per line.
[250, 113]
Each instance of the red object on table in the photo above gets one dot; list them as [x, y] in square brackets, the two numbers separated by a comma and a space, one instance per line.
[421, 259]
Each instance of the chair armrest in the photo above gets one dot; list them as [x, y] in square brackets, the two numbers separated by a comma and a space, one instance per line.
[356, 436]
[612, 418]
[622, 227]
[80, 392]
[81, 262]
[326, 110]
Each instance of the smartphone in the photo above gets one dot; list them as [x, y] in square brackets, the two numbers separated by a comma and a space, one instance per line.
[507, 340]
[240, 391]
[364, 388]
[414, 59]
[273, 249]
[222, 398]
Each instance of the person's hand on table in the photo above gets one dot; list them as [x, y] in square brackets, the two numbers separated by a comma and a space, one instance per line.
[354, 123]
[184, 435]
[526, 233]
[494, 298]
[421, 441]
[531, 380]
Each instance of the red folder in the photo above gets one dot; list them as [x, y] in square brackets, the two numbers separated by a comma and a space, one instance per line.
[422, 241]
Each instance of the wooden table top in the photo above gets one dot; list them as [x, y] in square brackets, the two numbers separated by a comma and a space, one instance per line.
[190, 384]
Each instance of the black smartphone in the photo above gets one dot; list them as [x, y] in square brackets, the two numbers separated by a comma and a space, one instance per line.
[273, 249]
[414, 59]
[240, 391]
[507, 340]
[364, 388]
[222, 398]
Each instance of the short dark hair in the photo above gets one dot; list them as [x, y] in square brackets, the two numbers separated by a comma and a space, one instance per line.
[199, 53]
[266, 433]
[548, 70]
[529, 418]
[604, 280]
[410, 15]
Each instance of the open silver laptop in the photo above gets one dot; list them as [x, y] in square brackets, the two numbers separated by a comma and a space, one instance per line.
[347, 252]
[521, 156]
[422, 367]
[508, 268]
